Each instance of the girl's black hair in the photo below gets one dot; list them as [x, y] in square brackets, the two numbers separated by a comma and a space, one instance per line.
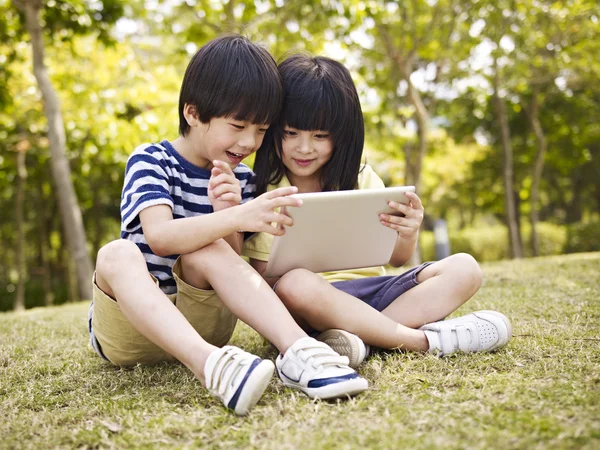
[319, 94]
[231, 76]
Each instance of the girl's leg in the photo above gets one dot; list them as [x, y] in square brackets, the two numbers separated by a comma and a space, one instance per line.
[323, 307]
[121, 272]
[243, 291]
[443, 287]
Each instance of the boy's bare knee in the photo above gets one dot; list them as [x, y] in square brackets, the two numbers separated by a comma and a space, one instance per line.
[207, 256]
[116, 254]
[111, 260]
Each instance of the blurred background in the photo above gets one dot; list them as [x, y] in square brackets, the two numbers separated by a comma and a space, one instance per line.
[491, 108]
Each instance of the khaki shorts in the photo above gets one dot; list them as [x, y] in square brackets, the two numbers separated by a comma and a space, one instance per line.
[114, 338]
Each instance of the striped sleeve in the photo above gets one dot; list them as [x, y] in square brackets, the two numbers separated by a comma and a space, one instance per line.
[146, 184]
[247, 182]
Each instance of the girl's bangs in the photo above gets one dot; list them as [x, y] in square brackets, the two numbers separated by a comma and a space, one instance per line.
[313, 108]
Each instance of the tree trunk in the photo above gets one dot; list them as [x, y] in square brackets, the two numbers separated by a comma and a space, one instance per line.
[69, 208]
[542, 146]
[44, 257]
[19, 304]
[510, 208]
[422, 119]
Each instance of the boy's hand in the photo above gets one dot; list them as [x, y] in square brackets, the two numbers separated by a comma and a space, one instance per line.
[224, 190]
[259, 214]
[407, 226]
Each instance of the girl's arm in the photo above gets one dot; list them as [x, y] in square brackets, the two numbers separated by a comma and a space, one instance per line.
[406, 226]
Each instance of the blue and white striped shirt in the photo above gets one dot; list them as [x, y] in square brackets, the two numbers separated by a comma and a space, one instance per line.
[157, 175]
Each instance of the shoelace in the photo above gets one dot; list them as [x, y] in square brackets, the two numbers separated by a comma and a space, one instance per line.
[319, 354]
[466, 338]
[226, 369]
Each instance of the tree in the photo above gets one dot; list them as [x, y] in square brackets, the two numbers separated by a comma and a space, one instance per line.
[72, 221]
[21, 266]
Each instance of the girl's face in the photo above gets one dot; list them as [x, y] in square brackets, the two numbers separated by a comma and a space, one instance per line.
[305, 153]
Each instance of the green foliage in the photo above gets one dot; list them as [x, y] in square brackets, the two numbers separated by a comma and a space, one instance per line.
[490, 243]
[583, 237]
[118, 86]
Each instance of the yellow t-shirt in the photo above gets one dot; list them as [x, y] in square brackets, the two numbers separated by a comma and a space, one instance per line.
[259, 246]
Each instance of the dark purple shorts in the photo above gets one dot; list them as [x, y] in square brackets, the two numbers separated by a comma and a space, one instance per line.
[380, 292]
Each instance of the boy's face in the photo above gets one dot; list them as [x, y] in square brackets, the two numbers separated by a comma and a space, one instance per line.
[226, 139]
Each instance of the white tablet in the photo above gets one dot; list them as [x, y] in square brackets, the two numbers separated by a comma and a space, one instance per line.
[337, 231]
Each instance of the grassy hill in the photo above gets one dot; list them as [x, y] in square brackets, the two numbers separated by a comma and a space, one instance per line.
[541, 391]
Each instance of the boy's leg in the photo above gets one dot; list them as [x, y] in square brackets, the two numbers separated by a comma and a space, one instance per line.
[304, 363]
[146, 307]
[242, 290]
[238, 378]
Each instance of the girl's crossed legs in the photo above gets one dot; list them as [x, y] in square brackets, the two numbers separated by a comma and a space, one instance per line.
[441, 288]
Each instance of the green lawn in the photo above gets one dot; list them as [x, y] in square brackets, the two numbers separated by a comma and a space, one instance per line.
[541, 391]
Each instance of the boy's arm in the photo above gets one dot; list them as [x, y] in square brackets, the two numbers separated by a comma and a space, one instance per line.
[167, 236]
[224, 191]
[406, 226]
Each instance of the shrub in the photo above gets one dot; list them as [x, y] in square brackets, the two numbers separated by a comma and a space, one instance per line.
[583, 237]
[552, 239]
[491, 243]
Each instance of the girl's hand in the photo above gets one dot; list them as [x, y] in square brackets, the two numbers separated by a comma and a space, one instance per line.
[224, 190]
[259, 215]
[407, 226]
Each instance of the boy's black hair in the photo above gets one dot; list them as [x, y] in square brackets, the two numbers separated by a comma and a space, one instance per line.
[231, 76]
[319, 94]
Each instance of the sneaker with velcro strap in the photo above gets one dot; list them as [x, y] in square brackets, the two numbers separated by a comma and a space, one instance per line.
[237, 377]
[317, 370]
[481, 331]
[346, 344]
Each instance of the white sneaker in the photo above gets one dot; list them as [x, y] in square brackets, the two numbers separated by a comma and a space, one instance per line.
[318, 371]
[238, 378]
[480, 331]
[346, 344]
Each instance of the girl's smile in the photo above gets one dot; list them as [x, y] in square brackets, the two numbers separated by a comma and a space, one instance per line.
[303, 162]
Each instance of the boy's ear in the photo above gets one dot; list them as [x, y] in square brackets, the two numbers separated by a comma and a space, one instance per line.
[191, 116]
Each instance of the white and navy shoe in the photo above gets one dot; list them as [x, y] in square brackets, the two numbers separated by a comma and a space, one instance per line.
[481, 331]
[346, 344]
[236, 377]
[318, 371]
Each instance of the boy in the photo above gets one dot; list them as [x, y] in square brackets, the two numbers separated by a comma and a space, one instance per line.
[182, 207]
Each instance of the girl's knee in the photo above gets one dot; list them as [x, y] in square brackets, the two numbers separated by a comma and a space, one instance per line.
[467, 270]
[295, 287]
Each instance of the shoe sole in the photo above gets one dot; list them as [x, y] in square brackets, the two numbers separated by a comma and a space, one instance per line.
[503, 340]
[343, 389]
[256, 384]
[345, 344]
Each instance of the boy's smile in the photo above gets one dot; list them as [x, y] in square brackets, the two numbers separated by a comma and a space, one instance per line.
[223, 138]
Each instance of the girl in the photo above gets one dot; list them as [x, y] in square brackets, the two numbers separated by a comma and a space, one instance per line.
[318, 147]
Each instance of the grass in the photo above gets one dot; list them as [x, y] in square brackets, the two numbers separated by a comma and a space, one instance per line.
[541, 391]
